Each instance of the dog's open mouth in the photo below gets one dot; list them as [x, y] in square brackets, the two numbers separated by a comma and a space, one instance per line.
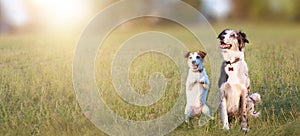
[195, 66]
[225, 46]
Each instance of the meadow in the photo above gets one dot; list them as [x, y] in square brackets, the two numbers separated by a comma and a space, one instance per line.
[37, 95]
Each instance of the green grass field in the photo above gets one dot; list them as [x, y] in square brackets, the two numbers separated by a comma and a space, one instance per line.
[37, 95]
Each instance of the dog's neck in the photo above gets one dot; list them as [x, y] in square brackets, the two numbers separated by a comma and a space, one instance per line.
[230, 63]
[198, 70]
[231, 57]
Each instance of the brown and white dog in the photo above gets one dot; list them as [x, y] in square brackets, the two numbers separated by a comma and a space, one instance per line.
[197, 85]
[234, 81]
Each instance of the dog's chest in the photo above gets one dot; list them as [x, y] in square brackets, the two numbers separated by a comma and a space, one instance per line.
[233, 72]
[231, 69]
[193, 76]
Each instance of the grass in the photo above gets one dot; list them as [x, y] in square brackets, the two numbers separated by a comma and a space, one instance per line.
[37, 96]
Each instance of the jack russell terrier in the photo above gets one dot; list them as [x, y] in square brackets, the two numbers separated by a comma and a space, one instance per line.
[197, 86]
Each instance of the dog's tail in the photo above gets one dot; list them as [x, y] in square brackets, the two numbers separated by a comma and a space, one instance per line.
[255, 114]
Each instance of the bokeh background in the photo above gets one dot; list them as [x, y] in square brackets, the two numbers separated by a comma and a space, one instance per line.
[38, 39]
[44, 15]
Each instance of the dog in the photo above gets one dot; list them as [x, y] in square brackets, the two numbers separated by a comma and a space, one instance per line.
[197, 85]
[234, 81]
[252, 100]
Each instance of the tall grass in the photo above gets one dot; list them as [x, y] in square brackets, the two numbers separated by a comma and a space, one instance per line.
[37, 96]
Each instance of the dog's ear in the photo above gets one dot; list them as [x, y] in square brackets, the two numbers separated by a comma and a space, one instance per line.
[202, 54]
[242, 37]
[187, 55]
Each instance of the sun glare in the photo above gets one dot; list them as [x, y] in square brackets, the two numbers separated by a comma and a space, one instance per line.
[61, 12]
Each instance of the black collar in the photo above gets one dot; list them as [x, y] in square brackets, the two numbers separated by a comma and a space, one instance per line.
[235, 61]
[200, 70]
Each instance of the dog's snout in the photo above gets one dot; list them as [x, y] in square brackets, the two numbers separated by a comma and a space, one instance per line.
[193, 62]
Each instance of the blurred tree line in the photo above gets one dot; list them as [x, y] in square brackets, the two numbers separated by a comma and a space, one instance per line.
[261, 10]
[269, 10]
[227, 10]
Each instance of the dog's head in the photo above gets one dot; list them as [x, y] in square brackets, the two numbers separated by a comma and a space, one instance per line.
[232, 40]
[255, 97]
[195, 60]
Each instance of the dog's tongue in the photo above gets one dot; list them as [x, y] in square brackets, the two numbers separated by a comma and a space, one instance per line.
[224, 45]
[195, 66]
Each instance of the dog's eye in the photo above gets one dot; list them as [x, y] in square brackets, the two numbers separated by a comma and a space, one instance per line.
[198, 57]
[190, 57]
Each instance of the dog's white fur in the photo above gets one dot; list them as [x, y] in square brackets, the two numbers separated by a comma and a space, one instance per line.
[234, 81]
[252, 100]
[197, 86]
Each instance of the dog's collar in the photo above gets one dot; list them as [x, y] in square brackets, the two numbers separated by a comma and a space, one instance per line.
[200, 70]
[235, 61]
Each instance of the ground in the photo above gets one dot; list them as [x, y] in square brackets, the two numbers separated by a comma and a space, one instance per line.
[37, 95]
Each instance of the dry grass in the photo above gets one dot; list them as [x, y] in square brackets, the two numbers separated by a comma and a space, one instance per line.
[37, 96]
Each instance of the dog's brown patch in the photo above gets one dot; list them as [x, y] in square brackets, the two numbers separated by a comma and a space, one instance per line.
[202, 54]
[187, 55]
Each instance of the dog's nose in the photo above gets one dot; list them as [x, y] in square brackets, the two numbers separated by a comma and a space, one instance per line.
[193, 62]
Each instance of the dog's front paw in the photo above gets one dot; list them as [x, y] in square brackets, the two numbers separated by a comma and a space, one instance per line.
[186, 118]
[190, 87]
[245, 129]
[191, 84]
[202, 81]
[226, 127]
[205, 86]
